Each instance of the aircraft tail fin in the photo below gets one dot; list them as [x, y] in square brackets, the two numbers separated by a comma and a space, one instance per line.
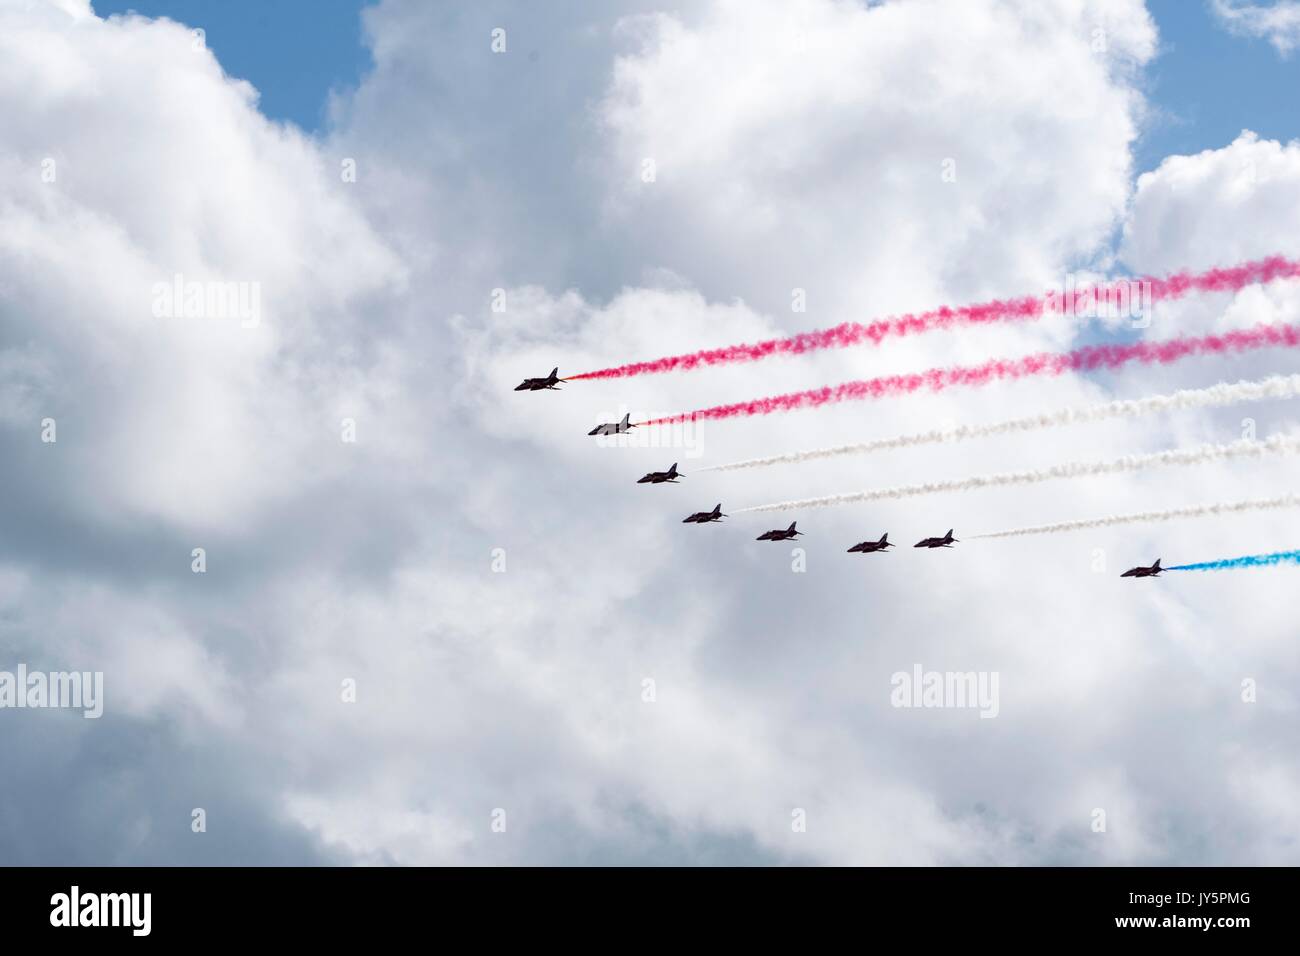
[791, 528]
[884, 538]
[1156, 566]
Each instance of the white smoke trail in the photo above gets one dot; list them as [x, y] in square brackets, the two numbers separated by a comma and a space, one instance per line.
[1247, 448]
[1216, 396]
[1144, 517]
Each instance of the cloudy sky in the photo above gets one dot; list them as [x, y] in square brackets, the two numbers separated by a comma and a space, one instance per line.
[467, 636]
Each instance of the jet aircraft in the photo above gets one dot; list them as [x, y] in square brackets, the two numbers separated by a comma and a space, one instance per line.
[779, 535]
[660, 477]
[1141, 572]
[704, 517]
[870, 547]
[537, 384]
[944, 542]
[614, 428]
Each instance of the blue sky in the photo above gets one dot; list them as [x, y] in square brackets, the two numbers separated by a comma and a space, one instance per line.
[293, 51]
[1209, 85]
[1206, 85]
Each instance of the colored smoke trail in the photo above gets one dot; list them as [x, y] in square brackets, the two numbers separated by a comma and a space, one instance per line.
[1087, 359]
[1216, 396]
[1246, 448]
[1145, 517]
[1251, 561]
[1073, 301]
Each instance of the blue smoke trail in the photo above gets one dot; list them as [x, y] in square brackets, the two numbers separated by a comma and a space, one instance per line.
[1251, 561]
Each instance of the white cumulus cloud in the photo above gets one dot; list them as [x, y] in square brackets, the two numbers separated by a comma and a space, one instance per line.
[472, 607]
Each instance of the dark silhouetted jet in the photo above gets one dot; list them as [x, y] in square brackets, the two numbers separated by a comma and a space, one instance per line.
[614, 428]
[703, 517]
[944, 542]
[660, 477]
[537, 384]
[779, 535]
[1141, 572]
[870, 547]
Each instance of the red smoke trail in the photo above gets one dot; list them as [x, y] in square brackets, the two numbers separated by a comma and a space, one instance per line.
[1086, 359]
[1030, 307]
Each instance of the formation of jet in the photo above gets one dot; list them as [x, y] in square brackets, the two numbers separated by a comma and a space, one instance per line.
[537, 384]
[614, 428]
[704, 517]
[660, 477]
[1141, 572]
[944, 542]
[778, 535]
[670, 476]
[870, 547]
